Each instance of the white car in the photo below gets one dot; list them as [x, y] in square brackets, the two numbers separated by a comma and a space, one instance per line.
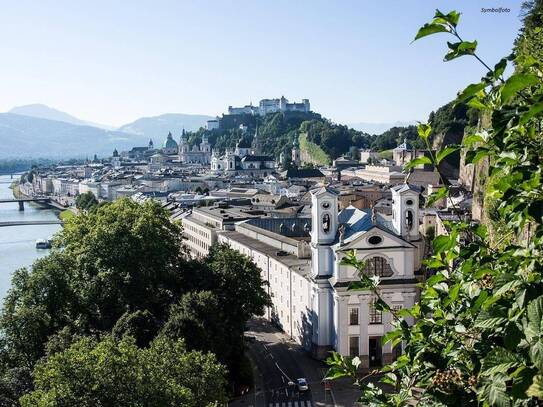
[302, 384]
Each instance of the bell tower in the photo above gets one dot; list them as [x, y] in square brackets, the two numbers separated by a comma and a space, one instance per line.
[324, 226]
[405, 211]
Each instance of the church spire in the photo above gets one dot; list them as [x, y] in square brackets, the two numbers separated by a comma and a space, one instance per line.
[256, 145]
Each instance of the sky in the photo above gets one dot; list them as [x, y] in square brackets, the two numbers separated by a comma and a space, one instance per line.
[112, 62]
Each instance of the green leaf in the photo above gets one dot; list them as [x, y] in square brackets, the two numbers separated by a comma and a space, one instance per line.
[418, 161]
[442, 243]
[470, 91]
[490, 323]
[452, 17]
[459, 49]
[429, 29]
[516, 83]
[424, 130]
[472, 139]
[533, 111]
[436, 196]
[536, 354]
[453, 294]
[498, 360]
[477, 104]
[536, 388]
[474, 156]
[499, 68]
[497, 392]
[391, 335]
[535, 315]
[446, 152]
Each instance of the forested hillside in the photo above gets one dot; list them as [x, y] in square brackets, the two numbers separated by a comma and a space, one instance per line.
[277, 131]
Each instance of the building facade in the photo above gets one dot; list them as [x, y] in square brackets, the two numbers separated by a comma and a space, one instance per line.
[301, 259]
[267, 106]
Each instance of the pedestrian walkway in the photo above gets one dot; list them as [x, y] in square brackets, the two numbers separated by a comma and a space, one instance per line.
[291, 404]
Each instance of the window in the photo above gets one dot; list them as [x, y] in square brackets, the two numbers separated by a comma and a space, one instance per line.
[376, 316]
[409, 219]
[326, 223]
[353, 316]
[353, 346]
[375, 239]
[378, 266]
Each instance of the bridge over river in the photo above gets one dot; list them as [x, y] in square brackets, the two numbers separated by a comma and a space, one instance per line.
[30, 222]
[43, 200]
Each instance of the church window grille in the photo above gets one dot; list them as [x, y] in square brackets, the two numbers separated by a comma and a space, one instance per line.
[378, 266]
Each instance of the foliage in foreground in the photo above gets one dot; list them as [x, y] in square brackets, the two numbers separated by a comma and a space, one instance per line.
[478, 335]
[119, 270]
[118, 373]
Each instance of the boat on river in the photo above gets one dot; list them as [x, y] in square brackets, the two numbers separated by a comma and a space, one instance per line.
[43, 244]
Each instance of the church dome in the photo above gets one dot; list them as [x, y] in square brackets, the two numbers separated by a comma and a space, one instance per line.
[169, 142]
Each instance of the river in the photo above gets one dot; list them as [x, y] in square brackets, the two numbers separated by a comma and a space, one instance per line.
[18, 243]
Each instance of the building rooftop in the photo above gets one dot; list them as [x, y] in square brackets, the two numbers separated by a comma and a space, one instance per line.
[299, 266]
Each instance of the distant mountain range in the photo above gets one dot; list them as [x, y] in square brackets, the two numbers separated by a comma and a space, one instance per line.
[38, 130]
[159, 126]
[25, 136]
[41, 131]
[49, 113]
[378, 128]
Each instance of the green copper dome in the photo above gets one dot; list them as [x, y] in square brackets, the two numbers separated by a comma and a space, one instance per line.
[169, 142]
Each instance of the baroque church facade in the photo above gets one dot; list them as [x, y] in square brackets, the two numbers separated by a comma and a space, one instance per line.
[245, 159]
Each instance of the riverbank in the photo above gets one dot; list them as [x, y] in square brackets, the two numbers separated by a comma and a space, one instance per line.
[18, 243]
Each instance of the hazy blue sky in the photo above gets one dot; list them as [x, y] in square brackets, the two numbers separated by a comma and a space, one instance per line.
[115, 61]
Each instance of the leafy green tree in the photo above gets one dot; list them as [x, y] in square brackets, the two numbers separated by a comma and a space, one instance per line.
[478, 335]
[237, 283]
[140, 325]
[86, 201]
[38, 304]
[199, 319]
[118, 373]
[126, 257]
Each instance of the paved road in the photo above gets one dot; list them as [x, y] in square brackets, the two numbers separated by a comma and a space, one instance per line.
[278, 361]
[277, 366]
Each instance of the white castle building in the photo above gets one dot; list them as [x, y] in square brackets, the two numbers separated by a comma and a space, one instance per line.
[301, 258]
[271, 106]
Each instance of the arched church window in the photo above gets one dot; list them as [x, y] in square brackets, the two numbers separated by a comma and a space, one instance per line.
[409, 219]
[378, 266]
[326, 223]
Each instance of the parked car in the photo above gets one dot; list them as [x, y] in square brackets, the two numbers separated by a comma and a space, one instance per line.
[302, 384]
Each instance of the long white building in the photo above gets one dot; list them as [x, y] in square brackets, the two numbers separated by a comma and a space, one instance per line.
[300, 258]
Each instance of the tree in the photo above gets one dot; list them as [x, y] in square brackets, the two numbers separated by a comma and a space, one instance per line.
[237, 283]
[126, 257]
[199, 319]
[118, 373]
[38, 304]
[140, 325]
[477, 339]
[86, 201]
